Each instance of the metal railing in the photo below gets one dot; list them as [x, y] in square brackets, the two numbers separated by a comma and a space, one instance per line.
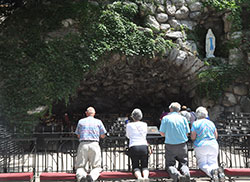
[57, 153]
[54, 149]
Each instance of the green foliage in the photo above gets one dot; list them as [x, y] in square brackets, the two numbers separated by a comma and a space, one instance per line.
[38, 70]
[219, 76]
[39, 74]
[234, 6]
[124, 9]
[222, 4]
[114, 31]
[35, 73]
[245, 43]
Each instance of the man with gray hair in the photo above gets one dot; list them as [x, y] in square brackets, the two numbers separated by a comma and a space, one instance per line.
[175, 128]
[89, 130]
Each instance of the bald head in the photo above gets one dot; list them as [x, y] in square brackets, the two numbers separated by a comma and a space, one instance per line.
[90, 111]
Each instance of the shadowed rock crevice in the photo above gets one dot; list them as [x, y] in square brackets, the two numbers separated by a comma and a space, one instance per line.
[123, 83]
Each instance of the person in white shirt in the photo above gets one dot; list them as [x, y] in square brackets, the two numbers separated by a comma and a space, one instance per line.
[185, 113]
[136, 132]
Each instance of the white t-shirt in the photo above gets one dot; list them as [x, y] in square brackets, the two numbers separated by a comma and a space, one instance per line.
[136, 133]
[186, 114]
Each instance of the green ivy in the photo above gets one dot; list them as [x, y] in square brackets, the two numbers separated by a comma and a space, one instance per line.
[234, 6]
[115, 31]
[219, 76]
[37, 70]
[245, 44]
[40, 74]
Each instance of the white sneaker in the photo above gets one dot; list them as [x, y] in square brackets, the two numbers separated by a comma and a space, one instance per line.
[140, 180]
[145, 180]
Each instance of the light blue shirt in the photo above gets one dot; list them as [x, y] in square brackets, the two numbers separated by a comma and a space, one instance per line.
[204, 130]
[175, 127]
[90, 128]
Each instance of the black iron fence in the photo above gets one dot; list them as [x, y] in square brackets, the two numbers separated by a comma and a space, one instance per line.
[54, 150]
[57, 153]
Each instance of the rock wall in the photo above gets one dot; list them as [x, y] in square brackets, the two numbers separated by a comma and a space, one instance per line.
[236, 98]
[122, 83]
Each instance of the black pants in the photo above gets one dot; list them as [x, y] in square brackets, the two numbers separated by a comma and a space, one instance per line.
[139, 157]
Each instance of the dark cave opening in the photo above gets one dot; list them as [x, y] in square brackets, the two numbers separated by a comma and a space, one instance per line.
[110, 109]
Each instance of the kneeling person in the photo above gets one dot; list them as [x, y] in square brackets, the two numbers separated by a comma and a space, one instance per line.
[89, 130]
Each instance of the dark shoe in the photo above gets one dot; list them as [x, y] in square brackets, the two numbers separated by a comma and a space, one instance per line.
[183, 178]
[89, 178]
[187, 178]
[221, 175]
[214, 174]
[83, 179]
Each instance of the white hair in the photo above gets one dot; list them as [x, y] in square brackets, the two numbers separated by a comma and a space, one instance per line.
[175, 106]
[201, 112]
[136, 114]
[91, 110]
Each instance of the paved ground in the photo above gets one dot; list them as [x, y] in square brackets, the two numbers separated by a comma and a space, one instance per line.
[170, 180]
[196, 180]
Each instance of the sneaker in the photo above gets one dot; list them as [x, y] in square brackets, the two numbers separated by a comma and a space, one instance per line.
[89, 178]
[140, 180]
[221, 175]
[214, 174]
[145, 180]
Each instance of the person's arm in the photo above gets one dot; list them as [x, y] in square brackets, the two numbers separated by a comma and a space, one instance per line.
[103, 135]
[193, 135]
[187, 127]
[216, 133]
[102, 130]
[162, 128]
[127, 131]
[77, 131]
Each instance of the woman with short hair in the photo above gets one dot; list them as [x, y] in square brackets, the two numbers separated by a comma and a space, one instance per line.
[204, 134]
[136, 132]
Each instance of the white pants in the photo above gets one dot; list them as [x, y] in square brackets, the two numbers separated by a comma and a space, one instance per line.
[88, 153]
[207, 158]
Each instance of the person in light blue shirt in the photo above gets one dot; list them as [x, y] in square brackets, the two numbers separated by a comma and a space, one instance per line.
[204, 135]
[175, 128]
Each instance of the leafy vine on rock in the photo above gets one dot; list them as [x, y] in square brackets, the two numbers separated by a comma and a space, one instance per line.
[39, 70]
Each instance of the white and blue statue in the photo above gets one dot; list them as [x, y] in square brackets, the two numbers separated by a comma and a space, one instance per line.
[210, 44]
